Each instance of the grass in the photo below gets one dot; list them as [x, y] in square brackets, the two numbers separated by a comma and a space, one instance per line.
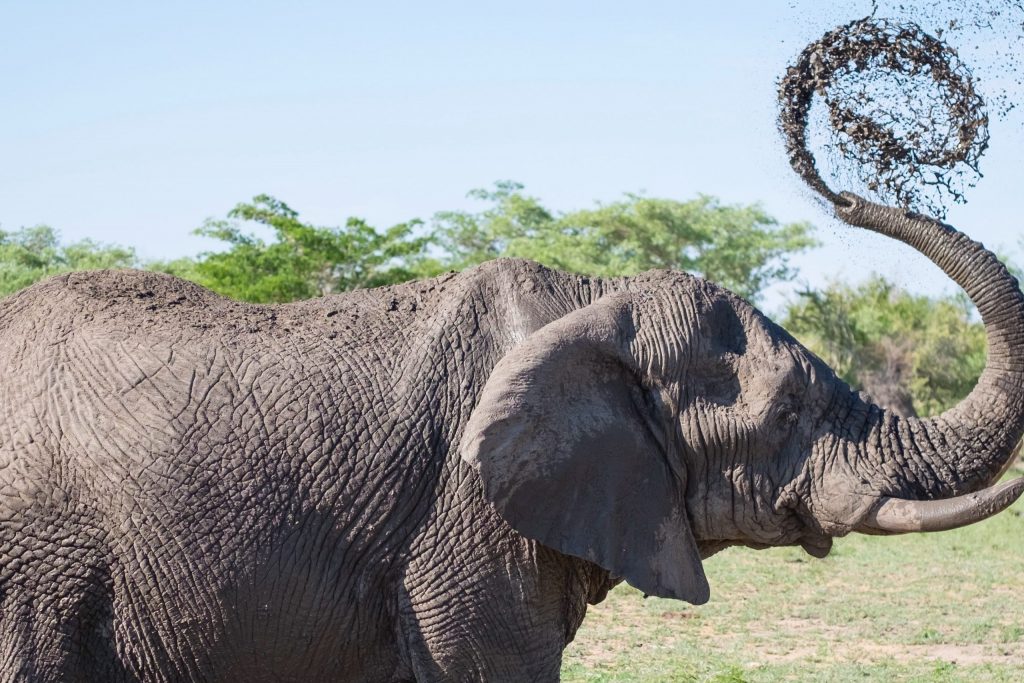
[926, 607]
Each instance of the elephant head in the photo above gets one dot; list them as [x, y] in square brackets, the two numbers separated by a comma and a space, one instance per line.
[670, 419]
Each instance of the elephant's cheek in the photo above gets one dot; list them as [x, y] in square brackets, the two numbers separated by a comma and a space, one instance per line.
[839, 513]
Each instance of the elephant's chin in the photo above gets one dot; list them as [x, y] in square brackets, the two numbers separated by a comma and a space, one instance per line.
[709, 548]
[817, 546]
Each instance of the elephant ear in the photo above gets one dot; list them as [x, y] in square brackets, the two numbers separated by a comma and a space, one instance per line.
[571, 454]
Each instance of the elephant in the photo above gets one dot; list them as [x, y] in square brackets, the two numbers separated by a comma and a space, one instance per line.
[432, 481]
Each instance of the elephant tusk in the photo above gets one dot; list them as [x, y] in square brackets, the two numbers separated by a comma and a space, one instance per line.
[900, 516]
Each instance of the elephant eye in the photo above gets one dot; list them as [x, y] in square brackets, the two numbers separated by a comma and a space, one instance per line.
[788, 414]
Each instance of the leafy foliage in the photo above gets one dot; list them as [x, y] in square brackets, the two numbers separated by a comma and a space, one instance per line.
[31, 254]
[740, 247]
[304, 260]
[916, 354]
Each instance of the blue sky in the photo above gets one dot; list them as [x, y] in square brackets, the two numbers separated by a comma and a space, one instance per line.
[133, 122]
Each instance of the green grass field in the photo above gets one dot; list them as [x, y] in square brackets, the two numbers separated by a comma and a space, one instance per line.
[924, 607]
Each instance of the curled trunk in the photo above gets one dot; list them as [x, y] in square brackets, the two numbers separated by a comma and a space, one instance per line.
[969, 446]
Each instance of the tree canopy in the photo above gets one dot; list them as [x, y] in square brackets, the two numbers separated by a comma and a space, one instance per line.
[740, 247]
[31, 254]
[303, 260]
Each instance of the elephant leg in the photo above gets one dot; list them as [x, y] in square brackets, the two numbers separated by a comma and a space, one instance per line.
[501, 612]
[461, 649]
[54, 645]
[56, 615]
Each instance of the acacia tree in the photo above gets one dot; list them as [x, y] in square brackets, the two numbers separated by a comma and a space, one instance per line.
[31, 254]
[740, 247]
[303, 260]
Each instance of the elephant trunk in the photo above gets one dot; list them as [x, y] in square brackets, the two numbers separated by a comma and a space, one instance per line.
[969, 446]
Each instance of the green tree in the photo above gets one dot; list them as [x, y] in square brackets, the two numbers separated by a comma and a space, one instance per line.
[303, 260]
[912, 353]
[31, 254]
[740, 247]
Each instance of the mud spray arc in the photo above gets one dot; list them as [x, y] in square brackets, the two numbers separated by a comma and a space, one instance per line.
[896, 110]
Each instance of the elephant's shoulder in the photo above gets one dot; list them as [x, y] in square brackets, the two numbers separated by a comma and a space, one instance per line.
[512, 273]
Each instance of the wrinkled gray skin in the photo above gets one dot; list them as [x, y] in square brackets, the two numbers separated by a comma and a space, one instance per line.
[429, 481]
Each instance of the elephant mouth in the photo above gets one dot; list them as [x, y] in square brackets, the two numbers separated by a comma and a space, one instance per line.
[710, 548]
[814, 544]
